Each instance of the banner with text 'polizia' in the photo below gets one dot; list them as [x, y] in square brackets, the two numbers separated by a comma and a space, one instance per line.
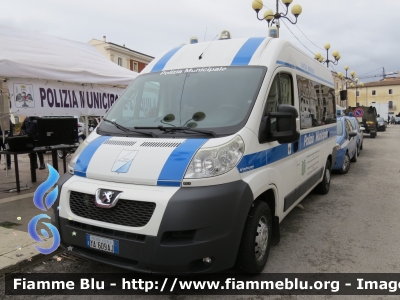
[31, 97]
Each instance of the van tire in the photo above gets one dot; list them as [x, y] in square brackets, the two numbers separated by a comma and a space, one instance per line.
[258, 228]
[373, 135]
[323, 187]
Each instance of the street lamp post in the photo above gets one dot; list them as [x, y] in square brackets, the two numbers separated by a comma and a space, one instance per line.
[272, 17]
[335, 55]
[356, 86]
[352, 74]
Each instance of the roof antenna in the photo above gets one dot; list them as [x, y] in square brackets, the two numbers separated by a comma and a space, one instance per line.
[205, 35]
[201, 55]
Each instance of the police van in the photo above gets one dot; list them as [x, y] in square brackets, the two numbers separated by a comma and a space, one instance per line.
[200, 159]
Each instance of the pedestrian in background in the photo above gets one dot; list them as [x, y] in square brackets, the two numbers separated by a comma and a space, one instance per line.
[29, 126]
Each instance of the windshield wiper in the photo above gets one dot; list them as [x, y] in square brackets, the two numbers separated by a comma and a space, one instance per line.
[120, 127]
[170, 129]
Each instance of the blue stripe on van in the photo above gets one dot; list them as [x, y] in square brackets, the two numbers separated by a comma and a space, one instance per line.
[260, 159]
[174, 168]
[159, 66]
[286, 64]
[87, 154]
[245, 53]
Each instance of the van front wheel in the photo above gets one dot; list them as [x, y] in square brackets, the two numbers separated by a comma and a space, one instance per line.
[323, 187]
[256, 239]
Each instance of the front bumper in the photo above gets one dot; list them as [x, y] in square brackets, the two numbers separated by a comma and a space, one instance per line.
[197, 222]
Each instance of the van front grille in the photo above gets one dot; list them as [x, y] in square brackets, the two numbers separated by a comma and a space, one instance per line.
[125, 212]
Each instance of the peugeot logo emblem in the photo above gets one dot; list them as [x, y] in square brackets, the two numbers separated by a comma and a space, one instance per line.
[106, 198]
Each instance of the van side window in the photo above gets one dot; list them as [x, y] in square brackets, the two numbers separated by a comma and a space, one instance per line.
[286, 89]
[281, 92]
[317, 103]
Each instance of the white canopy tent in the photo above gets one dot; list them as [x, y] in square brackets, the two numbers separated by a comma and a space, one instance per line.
[51, 76]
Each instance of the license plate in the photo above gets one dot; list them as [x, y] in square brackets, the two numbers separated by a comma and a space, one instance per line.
[100, 243]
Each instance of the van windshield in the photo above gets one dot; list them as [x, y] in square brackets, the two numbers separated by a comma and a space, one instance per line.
[219, 98]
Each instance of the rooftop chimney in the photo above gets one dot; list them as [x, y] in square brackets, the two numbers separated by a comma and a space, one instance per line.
[104, 38]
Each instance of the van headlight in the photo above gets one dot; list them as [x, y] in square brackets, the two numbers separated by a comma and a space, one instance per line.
[72, 162]
[209, 162]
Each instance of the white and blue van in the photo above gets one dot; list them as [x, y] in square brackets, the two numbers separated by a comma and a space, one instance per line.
[200, 159]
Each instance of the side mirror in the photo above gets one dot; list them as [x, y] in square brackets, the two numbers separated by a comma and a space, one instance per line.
[280, 126]
[352, 134]
[362, 128]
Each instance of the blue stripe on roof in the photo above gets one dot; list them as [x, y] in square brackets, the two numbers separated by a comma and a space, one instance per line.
[304, 71]
[174, 169]
[87, 154]
[244, 55]
[159, 66]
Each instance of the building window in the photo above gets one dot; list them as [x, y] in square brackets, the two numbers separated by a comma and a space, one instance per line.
[357, 104]
[358, 93]
[119, 61]
[135, 67]
[390, 92]
[391, 104]
[373, 92]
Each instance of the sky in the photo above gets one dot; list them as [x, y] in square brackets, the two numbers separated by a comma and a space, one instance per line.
[365, 32]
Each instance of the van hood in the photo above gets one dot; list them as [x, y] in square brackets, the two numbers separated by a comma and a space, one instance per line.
[137, 160]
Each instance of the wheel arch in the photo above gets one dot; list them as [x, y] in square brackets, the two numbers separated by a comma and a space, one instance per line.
[269, 197]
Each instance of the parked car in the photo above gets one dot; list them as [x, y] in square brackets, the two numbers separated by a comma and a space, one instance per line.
[368, 118]
[381, 124]
[360, 133]
[396, 120]
[346, 145]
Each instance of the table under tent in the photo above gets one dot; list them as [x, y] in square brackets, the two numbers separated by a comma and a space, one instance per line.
[44, 75]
